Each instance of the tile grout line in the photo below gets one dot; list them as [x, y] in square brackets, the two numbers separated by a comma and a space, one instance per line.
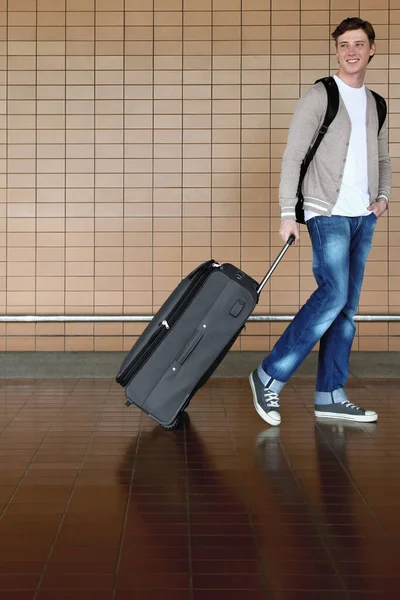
[357, 489]
[125, 326]
[35, 327]
[7, 195]
[94, 182]
[127, 506]
[74, 485]
[25, 405]
[248, 511]
[315, 521]
[65, 262]
[188, 522]
[153, 159]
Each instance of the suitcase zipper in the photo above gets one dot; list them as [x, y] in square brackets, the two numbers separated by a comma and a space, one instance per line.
[166, 325]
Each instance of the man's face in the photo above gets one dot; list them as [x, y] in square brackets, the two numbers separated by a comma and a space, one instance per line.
[353, 52]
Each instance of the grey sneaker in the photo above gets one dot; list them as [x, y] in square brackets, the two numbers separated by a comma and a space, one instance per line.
[265, 401]
[345, 410]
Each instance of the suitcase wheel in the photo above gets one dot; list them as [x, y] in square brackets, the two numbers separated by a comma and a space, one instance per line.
[174, 425]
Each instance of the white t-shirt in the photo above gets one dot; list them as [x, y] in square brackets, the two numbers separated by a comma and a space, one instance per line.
[354, 198]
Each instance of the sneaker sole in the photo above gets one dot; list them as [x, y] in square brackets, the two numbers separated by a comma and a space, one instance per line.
[326, 415]
[259, 410]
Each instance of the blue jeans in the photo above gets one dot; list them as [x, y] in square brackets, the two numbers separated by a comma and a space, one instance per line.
[340, 249]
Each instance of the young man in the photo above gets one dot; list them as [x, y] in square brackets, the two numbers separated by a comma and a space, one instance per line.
[346, 189]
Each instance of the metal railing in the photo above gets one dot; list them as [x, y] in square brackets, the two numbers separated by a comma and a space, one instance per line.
[145, 318]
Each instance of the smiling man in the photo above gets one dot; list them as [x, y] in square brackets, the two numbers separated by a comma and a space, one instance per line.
[346, 189]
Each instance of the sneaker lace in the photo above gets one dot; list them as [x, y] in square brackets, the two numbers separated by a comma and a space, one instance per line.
[350, 405]
[271, 398]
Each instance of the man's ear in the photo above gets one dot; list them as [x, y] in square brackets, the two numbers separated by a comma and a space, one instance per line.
[372, 50]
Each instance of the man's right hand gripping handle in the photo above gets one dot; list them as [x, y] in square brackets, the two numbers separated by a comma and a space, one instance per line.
[287, 228]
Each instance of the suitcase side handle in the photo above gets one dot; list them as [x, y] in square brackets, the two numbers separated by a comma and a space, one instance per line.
[276, 262]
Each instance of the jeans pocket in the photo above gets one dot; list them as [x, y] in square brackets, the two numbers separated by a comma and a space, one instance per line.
[310, 224]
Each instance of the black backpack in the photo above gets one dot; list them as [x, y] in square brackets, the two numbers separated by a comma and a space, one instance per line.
[331, 112]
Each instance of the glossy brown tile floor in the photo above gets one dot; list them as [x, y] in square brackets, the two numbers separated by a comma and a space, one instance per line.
[99, 503]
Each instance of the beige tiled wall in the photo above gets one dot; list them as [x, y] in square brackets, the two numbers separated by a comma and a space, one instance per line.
[141, 137]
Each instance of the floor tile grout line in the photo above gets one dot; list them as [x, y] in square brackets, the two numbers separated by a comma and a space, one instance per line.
[357, 489]
[22, 406]
[190, 560]
[127, 506]
[251, 522]
[74, 485]
[315, 522]
[40, 381]
[238, 422]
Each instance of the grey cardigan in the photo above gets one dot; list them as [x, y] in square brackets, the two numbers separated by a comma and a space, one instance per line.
[322, 182]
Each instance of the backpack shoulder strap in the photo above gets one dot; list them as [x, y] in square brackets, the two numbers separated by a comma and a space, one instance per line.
[332, 91]
[381, 107]
[331, 112]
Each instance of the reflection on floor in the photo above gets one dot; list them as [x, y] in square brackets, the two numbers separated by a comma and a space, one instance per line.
[97, 502]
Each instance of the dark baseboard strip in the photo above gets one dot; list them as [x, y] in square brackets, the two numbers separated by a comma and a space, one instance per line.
[236, 364]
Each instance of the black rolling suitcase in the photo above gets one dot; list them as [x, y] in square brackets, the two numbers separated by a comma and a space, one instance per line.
[188, 338]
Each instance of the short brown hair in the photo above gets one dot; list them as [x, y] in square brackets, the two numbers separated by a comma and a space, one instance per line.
[352, 23]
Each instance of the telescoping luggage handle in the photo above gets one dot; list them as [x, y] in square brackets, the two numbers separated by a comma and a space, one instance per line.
[276, 262]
